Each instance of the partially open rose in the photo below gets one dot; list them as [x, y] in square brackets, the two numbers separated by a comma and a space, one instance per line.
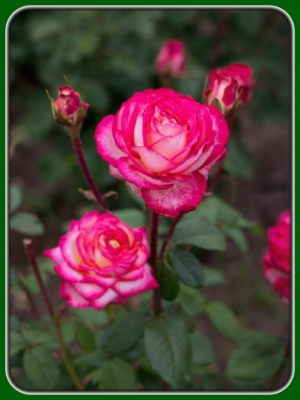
[68, 109]
[277, 259]
[101, 260]
[163, 145]
[230, 86]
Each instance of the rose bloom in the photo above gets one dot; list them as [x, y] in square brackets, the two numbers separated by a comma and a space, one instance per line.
[171, 58]
[69, 109]
[163, 145]
[277, 258]
[101, 260]
[231, 86]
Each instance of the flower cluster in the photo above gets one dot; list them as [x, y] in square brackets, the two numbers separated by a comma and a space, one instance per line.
[101, 260]
[277, 258]
[229, 87]
[163, 145]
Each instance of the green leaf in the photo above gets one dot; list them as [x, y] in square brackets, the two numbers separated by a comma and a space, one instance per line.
[34, 337]
[168, 349]
[31, 282]
[26, 223]
[46, 265]
[223, 319]
[168, 283]
[131, 216]
[16, 343]
[84, 336]
[125, 332]
[187, 267]
[213, 277]
[89, 361]
[15, 197]
[176, 310]
[200, 232]
[254, 362]
[263, 338]
[115, 374]
[191, 300]
[92, 315]
[202, 350]
[221, 213]
[14, 323]
[41, 368]
[237, 236]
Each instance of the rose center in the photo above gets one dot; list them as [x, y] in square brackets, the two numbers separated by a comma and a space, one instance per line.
[114, 243]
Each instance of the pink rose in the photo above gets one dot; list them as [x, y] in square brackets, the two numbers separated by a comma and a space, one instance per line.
[231, 86]
[277, 259]
[171, 58]
[163, 145]
[101, 260]
[69, 109]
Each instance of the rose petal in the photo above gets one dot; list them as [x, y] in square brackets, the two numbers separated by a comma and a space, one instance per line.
[105, 142]
[68, 273]
[141, 180]
[72, 297]
[182, 197]
[55, 255]
[89, 291]
[147, 282]
[68, 246]
[108, 297]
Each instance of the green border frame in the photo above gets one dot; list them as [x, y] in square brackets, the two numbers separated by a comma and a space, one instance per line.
[7, 10]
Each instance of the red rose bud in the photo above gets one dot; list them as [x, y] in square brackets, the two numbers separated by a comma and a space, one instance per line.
[229, 88]
[171, 58]
[69, 110]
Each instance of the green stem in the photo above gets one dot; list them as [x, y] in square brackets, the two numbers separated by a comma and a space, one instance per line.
[29, 249]
[76, 141]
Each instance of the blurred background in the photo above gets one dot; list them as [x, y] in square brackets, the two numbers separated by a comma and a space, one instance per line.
[109, 54]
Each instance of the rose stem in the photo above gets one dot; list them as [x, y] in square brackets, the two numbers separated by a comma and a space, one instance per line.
[31, 302]
[154, 217]
[29, 249]
[76, 141]
[168, 236]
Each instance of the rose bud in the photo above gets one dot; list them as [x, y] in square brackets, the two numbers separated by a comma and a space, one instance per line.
[229, 88]
[277, 258]
[163, 144]
[102, 261]
[171, 58]
[69, 110]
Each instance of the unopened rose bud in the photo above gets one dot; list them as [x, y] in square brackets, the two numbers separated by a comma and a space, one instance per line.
[171, 59]
[229, 88]
[69, 110]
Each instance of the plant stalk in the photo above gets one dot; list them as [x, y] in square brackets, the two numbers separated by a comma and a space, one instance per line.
[76, 141]
[154, 218]
[168, 236]
[29, 249]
